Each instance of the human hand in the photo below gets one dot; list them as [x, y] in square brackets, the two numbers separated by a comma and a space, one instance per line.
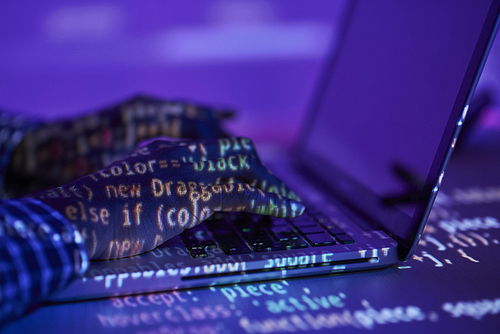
[165, 187]
[62, 151]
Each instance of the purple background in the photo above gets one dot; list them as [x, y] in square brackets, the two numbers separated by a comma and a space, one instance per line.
[262, 58]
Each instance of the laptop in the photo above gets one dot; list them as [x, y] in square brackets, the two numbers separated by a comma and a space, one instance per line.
[368, 165]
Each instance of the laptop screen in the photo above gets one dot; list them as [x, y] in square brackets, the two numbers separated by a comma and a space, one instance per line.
[389, 104]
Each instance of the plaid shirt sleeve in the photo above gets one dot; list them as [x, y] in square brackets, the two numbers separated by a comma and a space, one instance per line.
[40, 253]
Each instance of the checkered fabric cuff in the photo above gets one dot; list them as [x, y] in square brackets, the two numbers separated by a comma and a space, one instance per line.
[40, 253]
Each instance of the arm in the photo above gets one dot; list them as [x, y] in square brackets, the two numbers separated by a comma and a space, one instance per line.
[46, 155]
[136, 203]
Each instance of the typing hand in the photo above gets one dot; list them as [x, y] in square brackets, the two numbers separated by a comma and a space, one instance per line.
[165, 187]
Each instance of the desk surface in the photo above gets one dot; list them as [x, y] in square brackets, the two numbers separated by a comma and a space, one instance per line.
[451, 285]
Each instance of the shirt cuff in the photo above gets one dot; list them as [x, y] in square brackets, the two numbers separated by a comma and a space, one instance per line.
[40, 253]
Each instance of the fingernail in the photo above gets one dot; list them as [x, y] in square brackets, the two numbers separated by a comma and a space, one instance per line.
[297, 208]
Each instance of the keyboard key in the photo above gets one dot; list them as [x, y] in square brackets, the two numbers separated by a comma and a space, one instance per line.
[294, 244]
[260, 241]
[278, 246]
[320, 239]
[198, 253]
[281, 229]
[233, 245]
[192, 245]
[303, 223]
[344, 239]
[283, 236]
[255, 233]
[219, 227]
[222, 232]
[261, 248]
[208, 244]
[243, 224]
[275, 246]
[311, 229]
[336, 230]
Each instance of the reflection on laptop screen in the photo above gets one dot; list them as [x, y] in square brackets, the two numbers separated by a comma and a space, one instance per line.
[388, 102]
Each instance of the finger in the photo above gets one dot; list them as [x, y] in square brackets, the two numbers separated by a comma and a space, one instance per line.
[265, 180]
[243, 197]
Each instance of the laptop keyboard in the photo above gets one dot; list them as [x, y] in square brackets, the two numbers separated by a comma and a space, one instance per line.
[240, 233]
